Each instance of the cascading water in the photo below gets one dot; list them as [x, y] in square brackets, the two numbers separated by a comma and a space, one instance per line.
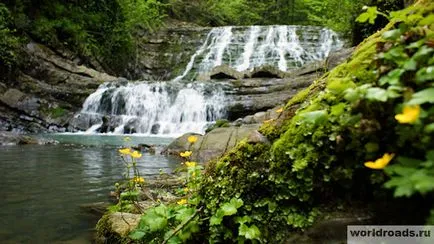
[152, 108]
[184, 105]
[285, 47]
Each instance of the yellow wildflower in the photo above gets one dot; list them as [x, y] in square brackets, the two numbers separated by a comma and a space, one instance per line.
[381, 162]
[136, 154]
[182, 201]
[409, 115]
[186, 154]
[126, 151]
[279, 110]
[139, 179]
[192, 139]
[185, 190]
[190, 164]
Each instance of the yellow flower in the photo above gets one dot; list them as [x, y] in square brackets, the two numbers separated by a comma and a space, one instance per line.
[192, 139]
[186, 154]
[182, 201]
[185, 190]
[136, 154]
[409, 115]
[126, 151]
[190, 164]
[381, 162]
[279, 110]
[139, 179]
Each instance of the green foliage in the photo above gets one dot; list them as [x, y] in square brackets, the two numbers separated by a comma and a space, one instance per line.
[219, 123]
[8, 42]
[96, 31]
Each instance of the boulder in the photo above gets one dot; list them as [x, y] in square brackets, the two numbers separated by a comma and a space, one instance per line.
[213, 144]
[338, 57]
[266, 71]
[224, 72]
[122, 223]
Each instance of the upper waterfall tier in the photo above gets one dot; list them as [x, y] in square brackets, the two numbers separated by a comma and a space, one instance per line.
[285, 47]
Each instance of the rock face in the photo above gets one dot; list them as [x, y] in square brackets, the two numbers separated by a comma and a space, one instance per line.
[248, 96]
[215, 143]
[165, 53]
[47, 91]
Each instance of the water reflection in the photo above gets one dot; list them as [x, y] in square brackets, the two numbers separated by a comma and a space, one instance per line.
[43, 186]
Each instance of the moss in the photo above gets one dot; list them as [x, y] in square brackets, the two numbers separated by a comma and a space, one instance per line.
[218, 124]
[57, 112]
[104, 233]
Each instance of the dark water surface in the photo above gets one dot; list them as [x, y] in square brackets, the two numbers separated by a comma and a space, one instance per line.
[42, 186]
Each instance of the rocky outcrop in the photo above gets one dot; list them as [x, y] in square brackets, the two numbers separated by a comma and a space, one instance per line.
[11, 138]
[248, 96]
[220, 72]
[47, 91]
[212, 144]
[164, 54]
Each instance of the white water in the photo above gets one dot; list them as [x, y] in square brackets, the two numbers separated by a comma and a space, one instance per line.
[153, 108]
[174, 108]
[285, 47]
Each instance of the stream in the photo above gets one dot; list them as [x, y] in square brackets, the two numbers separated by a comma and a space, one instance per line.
[43, 186]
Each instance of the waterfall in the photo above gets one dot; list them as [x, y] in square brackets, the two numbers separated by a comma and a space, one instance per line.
[162, 108]
[285, 47]
[184, 105]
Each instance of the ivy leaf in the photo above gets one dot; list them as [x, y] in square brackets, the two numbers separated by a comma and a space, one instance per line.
[155, 219]
[392, 34]
[231, 207]
[427, 20]
[423, 52]
[314, 116]
[402, 185]
[392, 77]
[337, 109]
[243, 220]
[137, 235]
[421, 97]
[215, 220]
[370, 15]
[425, 74]
[410, 64]
[250, 233]
[429, 128]
[184, 213]
[376, 94]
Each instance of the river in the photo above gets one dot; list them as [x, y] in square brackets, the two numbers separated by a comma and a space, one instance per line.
[43, 186]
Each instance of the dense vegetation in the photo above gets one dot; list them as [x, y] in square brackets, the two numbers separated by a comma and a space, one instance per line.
[366, 124]
[102, 33]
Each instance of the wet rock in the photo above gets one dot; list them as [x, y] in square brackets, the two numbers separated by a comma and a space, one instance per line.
[212, 144]
[123, 223]
[97, 208]
[10, 138]
[256, 137]
[155, 129]
[266, 71]
[338, 57]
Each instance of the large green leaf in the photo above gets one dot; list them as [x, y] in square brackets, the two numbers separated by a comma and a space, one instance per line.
[155, 218]
[421, 97]
[250, 233]
[370, 15]
[314, 116]
[137, 235]
[376, 94]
